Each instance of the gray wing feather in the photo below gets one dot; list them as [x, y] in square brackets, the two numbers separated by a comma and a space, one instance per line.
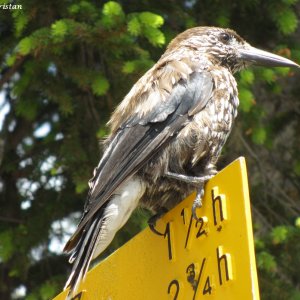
[192, 94]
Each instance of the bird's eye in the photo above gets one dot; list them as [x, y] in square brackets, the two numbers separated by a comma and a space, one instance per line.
[224, 37]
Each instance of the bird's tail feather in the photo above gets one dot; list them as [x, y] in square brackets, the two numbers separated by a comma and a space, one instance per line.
[98, 233]
[82, 254]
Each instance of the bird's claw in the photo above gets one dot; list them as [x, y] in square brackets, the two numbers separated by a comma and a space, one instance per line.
[197, 203]
[152, 220]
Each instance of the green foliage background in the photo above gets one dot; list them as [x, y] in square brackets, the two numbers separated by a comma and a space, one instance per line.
[65, 65]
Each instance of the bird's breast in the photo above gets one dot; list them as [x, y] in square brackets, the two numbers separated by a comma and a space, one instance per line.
[208, 130]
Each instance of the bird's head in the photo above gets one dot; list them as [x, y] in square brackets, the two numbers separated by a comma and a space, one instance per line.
[226, 48]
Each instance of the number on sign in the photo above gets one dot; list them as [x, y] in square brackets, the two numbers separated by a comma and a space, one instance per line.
[202, 222]
[176, 283]
[207, 287]
[168, 235]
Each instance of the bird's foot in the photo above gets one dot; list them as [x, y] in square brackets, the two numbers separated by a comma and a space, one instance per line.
[152, 220]
[198, 181]
[198, 202]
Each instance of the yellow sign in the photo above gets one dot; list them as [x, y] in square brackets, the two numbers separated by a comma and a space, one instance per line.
[212, 258]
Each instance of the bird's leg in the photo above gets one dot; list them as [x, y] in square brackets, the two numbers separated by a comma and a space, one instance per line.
[196, 180]
[152, 220]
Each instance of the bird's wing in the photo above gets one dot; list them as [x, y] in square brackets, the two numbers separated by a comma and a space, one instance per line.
[140, 138]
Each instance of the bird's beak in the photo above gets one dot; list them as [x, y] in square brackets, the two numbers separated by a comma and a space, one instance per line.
[264, 58]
